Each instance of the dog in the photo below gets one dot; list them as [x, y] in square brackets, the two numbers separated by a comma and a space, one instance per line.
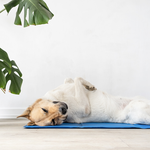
[78, 101]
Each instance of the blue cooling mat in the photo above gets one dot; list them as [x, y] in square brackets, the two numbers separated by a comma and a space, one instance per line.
[92, 125]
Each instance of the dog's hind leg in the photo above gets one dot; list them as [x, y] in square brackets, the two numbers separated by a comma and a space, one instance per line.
[138, 111]
[87, 85]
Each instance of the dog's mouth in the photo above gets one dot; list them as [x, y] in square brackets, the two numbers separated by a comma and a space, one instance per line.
[53, 122]
[58, 121]
[65, 119]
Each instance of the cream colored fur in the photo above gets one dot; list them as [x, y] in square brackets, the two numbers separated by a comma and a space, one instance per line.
[86, 104]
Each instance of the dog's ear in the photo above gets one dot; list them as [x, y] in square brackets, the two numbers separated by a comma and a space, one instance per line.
[26, 113]
[28, 110]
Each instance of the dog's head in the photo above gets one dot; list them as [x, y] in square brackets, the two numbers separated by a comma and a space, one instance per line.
[46, 112]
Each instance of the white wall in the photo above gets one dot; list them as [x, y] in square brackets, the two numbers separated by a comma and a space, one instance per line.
[104, 41]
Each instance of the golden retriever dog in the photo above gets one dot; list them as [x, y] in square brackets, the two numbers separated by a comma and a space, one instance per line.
[78, 101]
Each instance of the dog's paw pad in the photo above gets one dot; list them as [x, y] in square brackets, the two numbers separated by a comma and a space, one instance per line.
[90, 88]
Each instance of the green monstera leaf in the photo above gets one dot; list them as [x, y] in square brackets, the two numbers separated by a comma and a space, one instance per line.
[9, 71]
[39, 12]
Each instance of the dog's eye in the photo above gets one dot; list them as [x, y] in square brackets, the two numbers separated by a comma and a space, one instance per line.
[55, 102]
[44, 110]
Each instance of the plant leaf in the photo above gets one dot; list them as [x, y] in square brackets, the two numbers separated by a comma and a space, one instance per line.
[11, 4]
[2, 80]
[9, 72]
[16, 68]
[4, 57]
[16, 82]
[5, 65]
[39, 12]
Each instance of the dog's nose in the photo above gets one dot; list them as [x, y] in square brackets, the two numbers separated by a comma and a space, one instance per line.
[63, 110]
[65, 105]
[62, 103]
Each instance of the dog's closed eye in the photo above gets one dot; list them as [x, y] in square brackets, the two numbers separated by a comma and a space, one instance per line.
[44, 110]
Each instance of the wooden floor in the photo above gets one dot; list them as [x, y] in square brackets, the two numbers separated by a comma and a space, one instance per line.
[14, 137]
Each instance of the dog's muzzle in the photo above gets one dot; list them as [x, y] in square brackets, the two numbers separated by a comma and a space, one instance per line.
[63, 107]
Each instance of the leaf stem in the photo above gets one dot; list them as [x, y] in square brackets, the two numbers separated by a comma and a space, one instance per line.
[3, 90]
[2, 10]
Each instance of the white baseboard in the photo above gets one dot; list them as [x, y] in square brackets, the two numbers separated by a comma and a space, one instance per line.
[11, 113]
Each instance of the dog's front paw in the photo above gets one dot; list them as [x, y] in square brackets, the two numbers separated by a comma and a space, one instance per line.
[31, 123]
